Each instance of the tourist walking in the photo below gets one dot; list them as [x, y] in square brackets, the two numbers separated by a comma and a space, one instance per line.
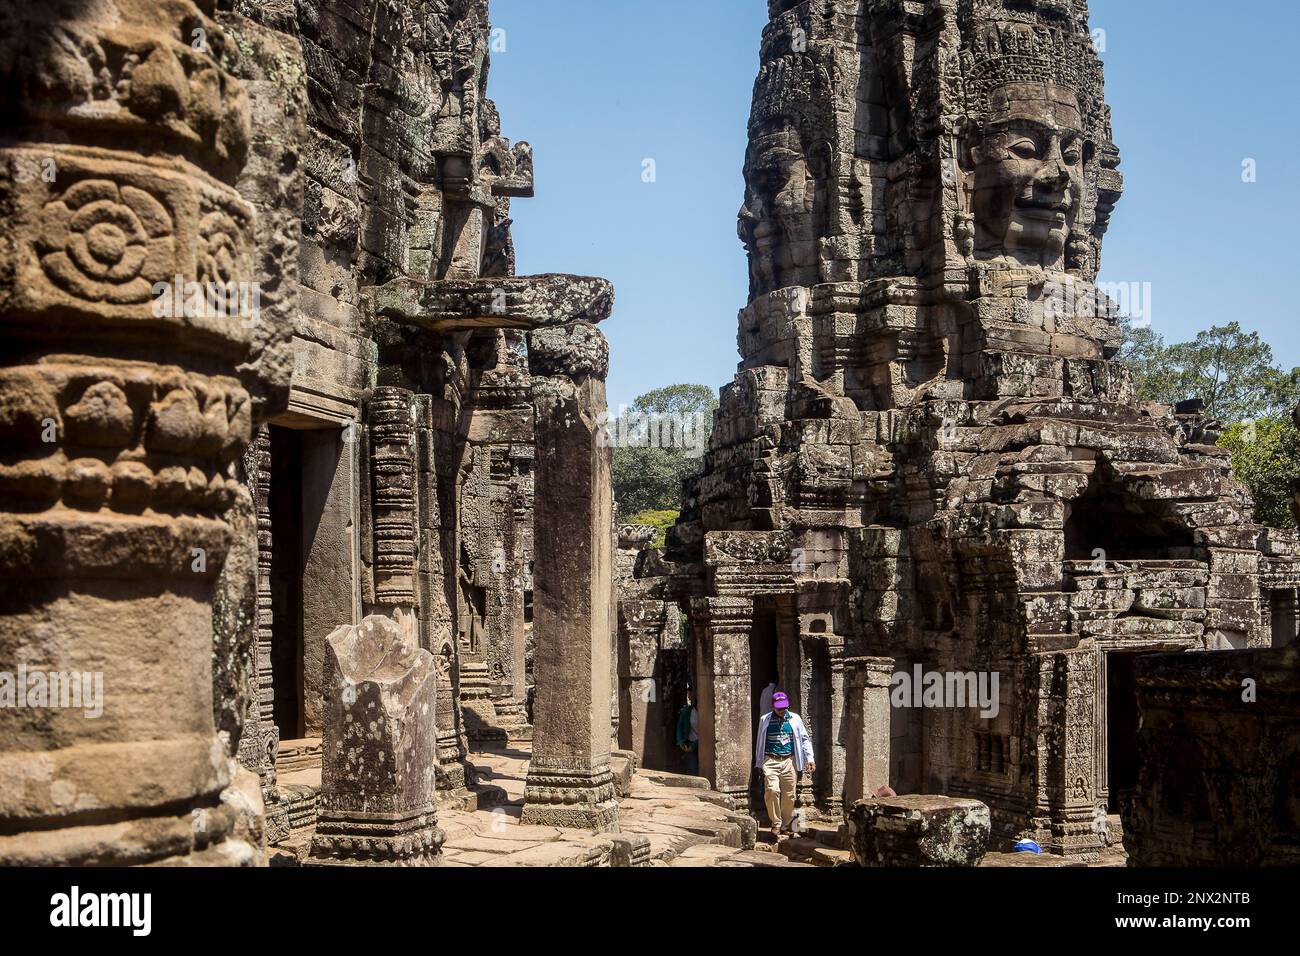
[782, 750]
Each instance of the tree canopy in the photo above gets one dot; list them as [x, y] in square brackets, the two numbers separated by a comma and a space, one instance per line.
[658, 443]
[1229, 369]
[1233, 372]
[1266, 456]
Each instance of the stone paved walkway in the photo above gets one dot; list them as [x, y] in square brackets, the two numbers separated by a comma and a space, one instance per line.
[664, 820]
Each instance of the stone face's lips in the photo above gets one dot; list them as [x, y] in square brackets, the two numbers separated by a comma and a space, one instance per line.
[506, 302]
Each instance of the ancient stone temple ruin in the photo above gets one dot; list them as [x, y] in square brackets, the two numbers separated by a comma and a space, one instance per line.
[272, 399]
[306, 523]
[929, 460]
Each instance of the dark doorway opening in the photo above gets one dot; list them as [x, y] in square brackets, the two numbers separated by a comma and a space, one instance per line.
[1282, 617]
[286, 581]
[1121, 728]
[1113, 529]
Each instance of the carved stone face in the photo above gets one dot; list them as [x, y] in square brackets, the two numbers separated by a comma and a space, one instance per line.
[776, 222]
[1025, 172]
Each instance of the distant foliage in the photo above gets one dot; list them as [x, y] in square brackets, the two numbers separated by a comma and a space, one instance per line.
[661, 521]
[1229, 369]
[1232, 371]
[1266, 456]
[650, 478]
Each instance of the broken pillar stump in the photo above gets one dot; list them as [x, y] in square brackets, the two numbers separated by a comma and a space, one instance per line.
[380, 750]
[919, 830]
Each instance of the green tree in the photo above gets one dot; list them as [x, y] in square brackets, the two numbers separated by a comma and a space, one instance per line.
[1144, 351]
[1229, 369]
[1266, 456]
[661, 521]
[1232, 371]
[658, 443]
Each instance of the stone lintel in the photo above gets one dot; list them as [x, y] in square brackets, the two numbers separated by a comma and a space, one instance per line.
[503, 302]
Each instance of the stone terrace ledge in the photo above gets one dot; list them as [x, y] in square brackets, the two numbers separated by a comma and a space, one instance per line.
[503, 302]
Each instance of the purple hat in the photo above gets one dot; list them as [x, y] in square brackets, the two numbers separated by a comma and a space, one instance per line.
[780, 700]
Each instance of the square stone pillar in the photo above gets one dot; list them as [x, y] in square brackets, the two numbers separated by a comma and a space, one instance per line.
[569, 781]
[866, 727]
[380, 749]
[834, 750]
[1066, 755]
[644, 727]
[821, 704]
[722, 659]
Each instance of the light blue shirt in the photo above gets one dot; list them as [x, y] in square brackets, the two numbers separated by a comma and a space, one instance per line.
[803, 748]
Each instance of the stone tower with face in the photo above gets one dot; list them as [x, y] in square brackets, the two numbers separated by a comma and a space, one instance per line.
[1029, 179]
[1025, 175]
[929, 453]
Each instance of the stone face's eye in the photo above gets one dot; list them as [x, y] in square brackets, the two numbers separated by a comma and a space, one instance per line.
[1024, 147]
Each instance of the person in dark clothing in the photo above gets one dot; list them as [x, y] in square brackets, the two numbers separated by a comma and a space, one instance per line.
[688, 736]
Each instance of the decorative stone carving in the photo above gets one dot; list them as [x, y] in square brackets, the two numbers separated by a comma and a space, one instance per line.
[1218, 765]
[125, 419]
[392, 433]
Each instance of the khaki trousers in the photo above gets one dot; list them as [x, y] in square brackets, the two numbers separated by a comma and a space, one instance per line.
[779, 777]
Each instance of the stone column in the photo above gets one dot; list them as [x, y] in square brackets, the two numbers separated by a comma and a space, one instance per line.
[435, 555]
[259, 745]
[811, 703]
[392, 500]
[833, 749]
[614, 715]
[1067, 742]
[507, 636]
[722, 678]
[123, 414]
[395, 522]
[644, 727]
[379, 749]
[866, 727]
[569, 781]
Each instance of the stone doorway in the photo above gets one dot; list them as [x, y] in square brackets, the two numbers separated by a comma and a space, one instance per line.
[314, 557]
[1121, 729]
[1282, 617]
[286, 582]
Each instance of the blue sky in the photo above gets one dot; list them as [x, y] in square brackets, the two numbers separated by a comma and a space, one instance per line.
[598, 86]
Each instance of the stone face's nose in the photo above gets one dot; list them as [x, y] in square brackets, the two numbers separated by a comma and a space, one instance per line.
[505, 302]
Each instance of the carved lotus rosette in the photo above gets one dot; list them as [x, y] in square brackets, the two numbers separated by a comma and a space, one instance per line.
[105, 243]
